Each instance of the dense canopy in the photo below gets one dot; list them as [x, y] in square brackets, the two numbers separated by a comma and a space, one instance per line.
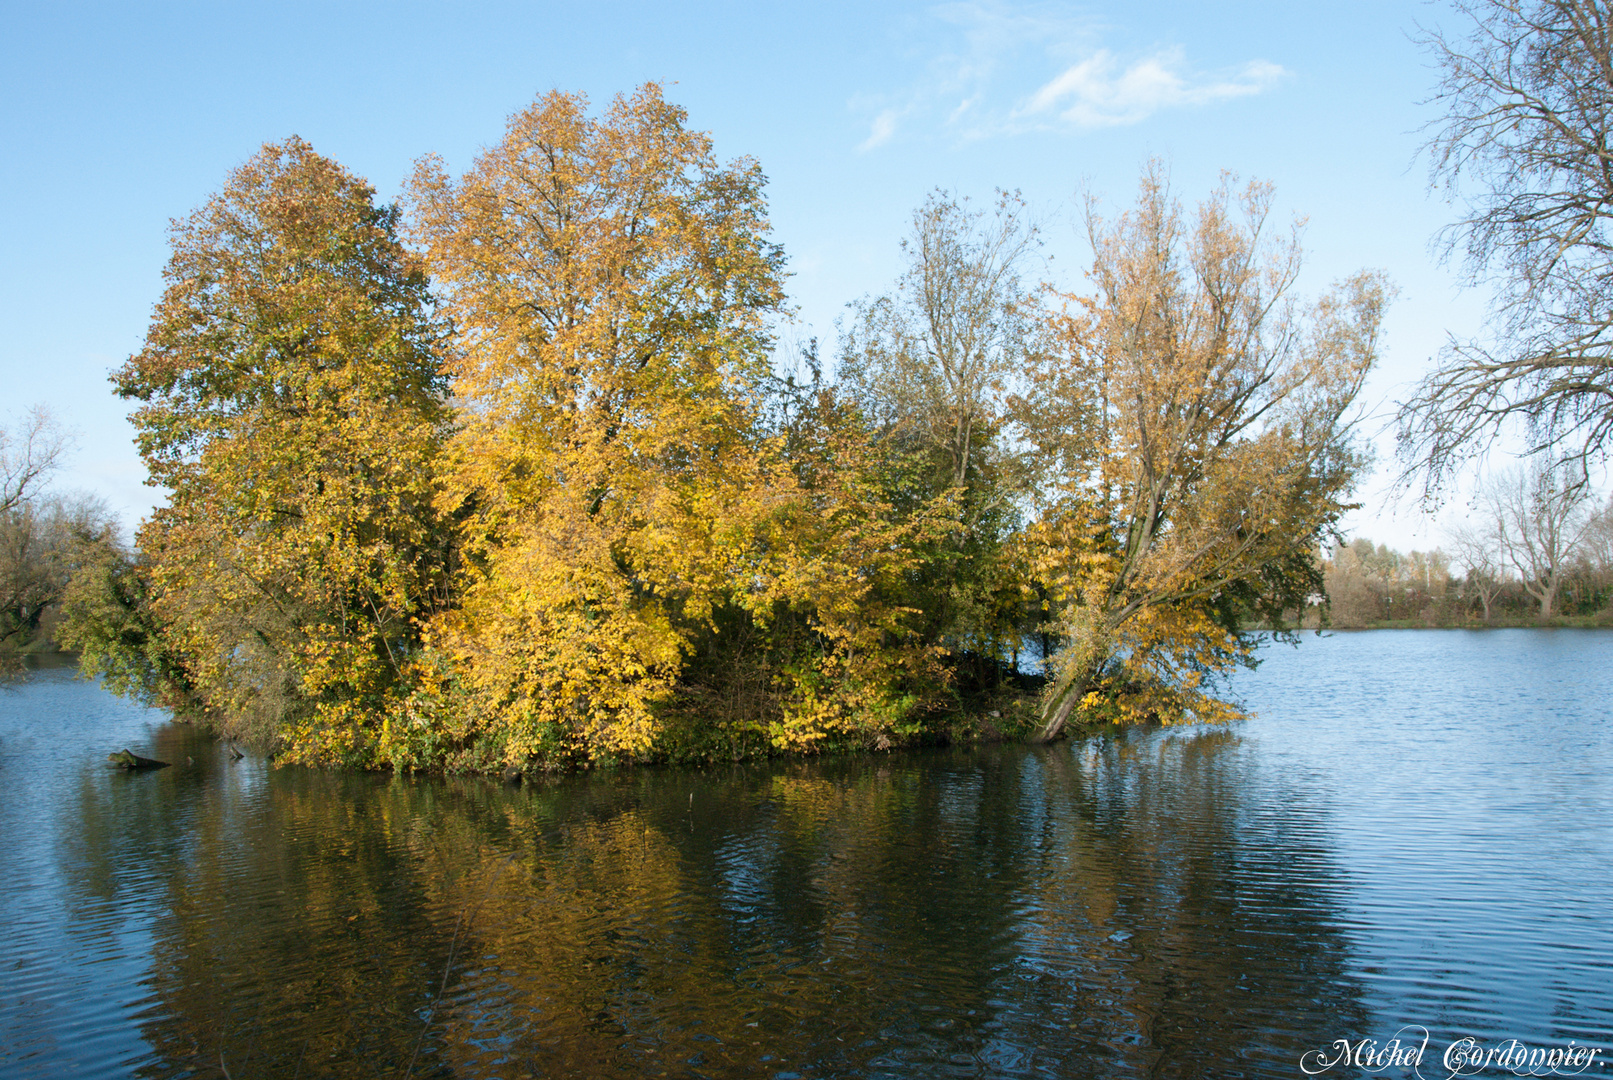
[517, 474]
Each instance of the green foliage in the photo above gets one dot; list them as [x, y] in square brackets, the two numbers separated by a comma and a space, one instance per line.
[1377, 586]
[43, 541]
[627, 538]
[931, 365]
[290, 401]
[108, 619]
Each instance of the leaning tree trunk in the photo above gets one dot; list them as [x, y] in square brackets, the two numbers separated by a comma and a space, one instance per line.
[1067, 694]
[1082, 660]
[1068, 690]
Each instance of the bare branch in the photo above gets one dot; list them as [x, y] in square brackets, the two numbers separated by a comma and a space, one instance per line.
[1540, 520]
[1525, 148]
[29, 454]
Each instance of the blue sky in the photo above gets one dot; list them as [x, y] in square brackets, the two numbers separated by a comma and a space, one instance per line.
[116, 119]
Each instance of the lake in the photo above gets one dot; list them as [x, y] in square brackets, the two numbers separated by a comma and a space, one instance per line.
[1415, 833]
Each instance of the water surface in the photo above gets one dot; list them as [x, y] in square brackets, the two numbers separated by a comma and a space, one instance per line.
[1413, 830]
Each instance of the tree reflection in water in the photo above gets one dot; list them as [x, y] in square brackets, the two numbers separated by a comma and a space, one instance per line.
[1108, 907]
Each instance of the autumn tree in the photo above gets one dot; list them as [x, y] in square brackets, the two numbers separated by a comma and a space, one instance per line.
[1221, 454]
[644, 539]
[1355, 583]
[290, 403]
[44, 540]
[1367, 584]
[30, 450]
[1523, 148]
[835, 582]
[932, 364]
[612, 285]
[42, 535]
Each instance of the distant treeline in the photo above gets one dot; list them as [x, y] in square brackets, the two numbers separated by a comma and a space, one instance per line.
[1378, 586]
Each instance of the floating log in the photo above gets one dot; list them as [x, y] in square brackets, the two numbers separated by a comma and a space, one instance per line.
[123, 759]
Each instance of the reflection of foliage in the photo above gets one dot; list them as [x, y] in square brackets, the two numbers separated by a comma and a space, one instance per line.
[840, 914]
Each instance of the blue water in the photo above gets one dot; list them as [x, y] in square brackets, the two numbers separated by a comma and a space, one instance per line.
[1412, 832]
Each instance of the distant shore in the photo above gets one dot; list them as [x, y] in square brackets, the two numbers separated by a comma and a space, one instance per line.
[1602, 620]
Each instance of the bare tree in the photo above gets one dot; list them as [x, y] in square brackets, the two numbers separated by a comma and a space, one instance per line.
[1525, 147]
[29, 453]
[1598, 549]
[1541, 519]
[1478, 549]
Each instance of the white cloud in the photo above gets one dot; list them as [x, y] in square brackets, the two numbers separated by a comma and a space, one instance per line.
[880, 131]
[1096, 93]
[992, 69]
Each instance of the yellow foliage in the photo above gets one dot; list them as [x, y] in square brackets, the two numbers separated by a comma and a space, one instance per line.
[290, 401]
[612, 286]
[518, 532]
[1196, 434]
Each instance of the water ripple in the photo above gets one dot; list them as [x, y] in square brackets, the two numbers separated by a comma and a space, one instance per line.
[1413, 831]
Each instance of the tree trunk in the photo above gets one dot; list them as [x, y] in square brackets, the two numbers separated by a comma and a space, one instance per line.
[1545, 596]
[1067, 694]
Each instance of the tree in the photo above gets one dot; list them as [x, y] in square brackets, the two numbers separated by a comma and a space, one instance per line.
[29, 453]
[932, 363]
[1541, 522]
[1478, 548]
[1355, 594]
[42, 542]
[611, 285]
[1523, 145]
[1599, 539]
[1221, 456]
[108, 618]
[292, 406]
[932, 359]
[35, 531]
